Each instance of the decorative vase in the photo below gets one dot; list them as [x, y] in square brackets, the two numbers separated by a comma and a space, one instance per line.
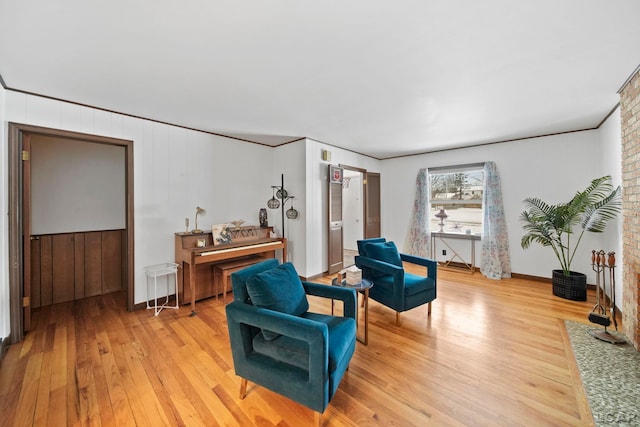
[573, 286]
[262, 217]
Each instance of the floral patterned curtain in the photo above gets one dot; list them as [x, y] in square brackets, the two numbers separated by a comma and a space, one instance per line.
[496, 263]
[417, 242]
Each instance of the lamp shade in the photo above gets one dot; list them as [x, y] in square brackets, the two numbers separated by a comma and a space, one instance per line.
[273, 203]
[282, 193]
[442, 215]
[292, 213]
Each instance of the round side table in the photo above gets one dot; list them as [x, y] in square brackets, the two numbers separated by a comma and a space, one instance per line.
[362, 287]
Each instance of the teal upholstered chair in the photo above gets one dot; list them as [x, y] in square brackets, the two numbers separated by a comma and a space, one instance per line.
[278, 344]
[381, 263]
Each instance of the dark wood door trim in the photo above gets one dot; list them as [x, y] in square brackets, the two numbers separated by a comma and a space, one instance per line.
[371, 209]
[15, 234]
[335, 243]
[372, 205]
[26, 230]
[16, 245]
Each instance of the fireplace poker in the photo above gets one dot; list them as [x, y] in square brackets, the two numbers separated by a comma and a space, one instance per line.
[612, 281]
[598, 313]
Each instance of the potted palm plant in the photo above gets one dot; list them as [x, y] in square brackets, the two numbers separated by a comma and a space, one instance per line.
[553, 226]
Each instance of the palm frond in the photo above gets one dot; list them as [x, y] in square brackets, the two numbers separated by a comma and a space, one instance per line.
[552, 225]
[595, 217]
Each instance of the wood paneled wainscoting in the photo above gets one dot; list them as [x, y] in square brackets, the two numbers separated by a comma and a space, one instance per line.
[71, 266]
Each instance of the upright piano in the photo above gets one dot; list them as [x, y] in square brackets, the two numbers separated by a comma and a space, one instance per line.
[196, 255]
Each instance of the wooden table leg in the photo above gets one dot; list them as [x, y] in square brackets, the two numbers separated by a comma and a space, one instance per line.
[192, 288]
[366, 316]
[365, 305]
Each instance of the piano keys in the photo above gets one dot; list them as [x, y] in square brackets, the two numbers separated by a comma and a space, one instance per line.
[196, 279]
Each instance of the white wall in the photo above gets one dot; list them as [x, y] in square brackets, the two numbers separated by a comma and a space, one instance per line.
[317, 231]
[552, 168]
[5, 327]
[611, 155]
[175, 170]
[76, 186]
[289, 160]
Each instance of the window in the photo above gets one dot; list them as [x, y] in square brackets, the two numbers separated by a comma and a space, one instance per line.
[457, 190]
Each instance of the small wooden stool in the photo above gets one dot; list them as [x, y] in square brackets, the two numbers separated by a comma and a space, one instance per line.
[223, 271]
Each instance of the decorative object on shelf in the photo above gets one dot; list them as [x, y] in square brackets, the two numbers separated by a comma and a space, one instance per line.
[186, 225]
[282, 194]
[199, 211]
[262, 217]
[220, 234]
[442, 215]
[237, 223]
[201, 243]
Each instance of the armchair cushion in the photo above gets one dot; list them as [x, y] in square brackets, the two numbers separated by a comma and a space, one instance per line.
[278, 289]
[383, 251]
[413, 284]
[296, 352]
[341, 336]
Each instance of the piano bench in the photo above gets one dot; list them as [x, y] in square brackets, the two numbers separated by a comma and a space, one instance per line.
[223, 271]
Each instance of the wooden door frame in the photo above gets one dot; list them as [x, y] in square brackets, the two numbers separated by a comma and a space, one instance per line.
[26, 231]
[365, 210]
[368, 231]
[16, 247]
[332, 225]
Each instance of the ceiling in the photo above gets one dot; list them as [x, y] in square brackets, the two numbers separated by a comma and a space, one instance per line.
[378, 77]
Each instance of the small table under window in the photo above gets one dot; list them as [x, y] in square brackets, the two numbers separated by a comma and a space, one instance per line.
[443, 236]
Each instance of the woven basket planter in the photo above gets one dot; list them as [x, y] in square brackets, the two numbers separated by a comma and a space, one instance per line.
[573, 286]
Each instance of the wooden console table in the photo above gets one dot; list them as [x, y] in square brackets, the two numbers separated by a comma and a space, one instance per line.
[443, 236]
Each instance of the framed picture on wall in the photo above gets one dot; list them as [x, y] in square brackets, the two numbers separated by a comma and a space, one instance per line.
[336, 175]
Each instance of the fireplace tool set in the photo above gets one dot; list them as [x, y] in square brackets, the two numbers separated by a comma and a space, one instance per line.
[604, 265]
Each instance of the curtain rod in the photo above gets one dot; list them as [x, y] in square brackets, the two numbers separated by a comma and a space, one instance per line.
[465, 166]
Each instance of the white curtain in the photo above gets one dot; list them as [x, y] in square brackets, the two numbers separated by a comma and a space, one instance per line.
[496, 262]
[417, 242]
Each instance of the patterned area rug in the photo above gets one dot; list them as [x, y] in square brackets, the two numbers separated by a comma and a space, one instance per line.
[610, 375]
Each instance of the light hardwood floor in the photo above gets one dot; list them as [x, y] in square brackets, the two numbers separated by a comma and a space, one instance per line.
[492, 353]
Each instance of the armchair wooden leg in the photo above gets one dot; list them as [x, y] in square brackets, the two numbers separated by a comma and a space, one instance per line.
[317, 419]
[397, 318]
[429, 309]
[243, 388]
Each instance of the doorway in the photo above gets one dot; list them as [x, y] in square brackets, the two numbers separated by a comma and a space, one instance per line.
[19, 218]
[363, 214]
[352, 214]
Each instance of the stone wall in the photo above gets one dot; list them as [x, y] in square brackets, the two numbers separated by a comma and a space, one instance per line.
[630, 114]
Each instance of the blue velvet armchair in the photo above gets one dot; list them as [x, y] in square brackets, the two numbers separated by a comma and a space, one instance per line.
[278, 344]
[381, 263]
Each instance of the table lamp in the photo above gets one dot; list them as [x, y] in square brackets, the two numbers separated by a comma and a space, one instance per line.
[199, 211]
[442, 215]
